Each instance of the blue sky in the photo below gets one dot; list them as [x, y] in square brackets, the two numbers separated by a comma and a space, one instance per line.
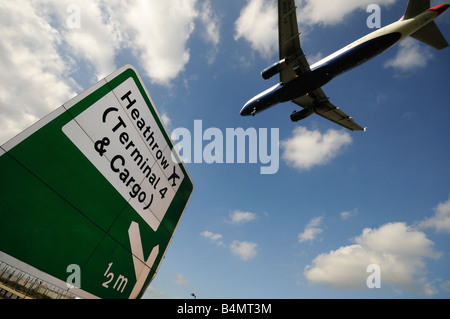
[339, 202]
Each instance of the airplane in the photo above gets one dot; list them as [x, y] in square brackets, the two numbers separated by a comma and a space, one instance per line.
[174, 177]
[301, 83]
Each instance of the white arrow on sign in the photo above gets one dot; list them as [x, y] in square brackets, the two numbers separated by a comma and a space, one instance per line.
[141, 270]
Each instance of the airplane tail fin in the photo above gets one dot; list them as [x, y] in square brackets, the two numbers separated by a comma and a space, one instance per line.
[416, 7]
[430, 33]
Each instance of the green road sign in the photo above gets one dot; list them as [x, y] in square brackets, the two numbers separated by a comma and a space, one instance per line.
[95, 184]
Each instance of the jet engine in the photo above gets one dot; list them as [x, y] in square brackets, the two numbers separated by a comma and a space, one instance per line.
[300, 115]
[274, 69]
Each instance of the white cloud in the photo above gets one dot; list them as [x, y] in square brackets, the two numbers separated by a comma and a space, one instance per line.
[332, 12]
[311, 230]
[309, 148]
[244, 250]
[159, 32]
[441, 220]
[411, 55]
[398, 249]
[40, 52]
[258, 25]
[314, 58]
[211, 26]
[215, 238]
[166, 120]
[211, 22]
[180, 280]
[238, 217]
[98, 37]
[347, 214]
[97, 40]
[35, 76]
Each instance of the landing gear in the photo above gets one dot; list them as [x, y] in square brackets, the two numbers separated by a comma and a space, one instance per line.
[253, 112]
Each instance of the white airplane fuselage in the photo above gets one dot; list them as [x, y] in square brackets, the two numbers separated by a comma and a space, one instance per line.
[341, 61]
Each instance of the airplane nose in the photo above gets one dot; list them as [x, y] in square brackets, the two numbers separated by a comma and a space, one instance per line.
[244, 111]
[247, 109]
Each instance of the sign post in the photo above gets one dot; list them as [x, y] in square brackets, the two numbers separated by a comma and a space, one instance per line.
[97, 184]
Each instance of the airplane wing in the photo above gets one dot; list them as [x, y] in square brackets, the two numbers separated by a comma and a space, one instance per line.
[289, 42]
[319, 102]
[296, 64]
